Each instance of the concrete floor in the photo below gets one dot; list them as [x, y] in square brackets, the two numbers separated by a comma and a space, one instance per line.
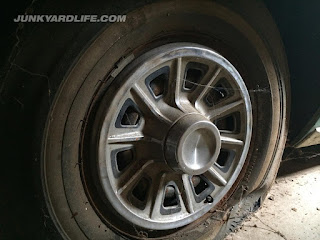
[292, 208]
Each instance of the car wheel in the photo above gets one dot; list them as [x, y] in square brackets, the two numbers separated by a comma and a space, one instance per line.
[170, 125]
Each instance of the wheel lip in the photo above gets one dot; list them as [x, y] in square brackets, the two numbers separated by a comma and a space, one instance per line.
[182, 49]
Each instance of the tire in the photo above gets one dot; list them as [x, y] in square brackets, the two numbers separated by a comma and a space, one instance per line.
[56, 105]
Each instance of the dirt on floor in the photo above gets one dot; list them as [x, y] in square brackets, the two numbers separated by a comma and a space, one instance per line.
[291, 210]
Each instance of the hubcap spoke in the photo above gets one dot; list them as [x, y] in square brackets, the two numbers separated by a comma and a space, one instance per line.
[224, 110]
[128, 179]
[230, 142]
[126, 137]
[148, 104]
[157, 200]
[176, 97]
[175, 83]
[213, 175]
[187, 195]
[203, 88]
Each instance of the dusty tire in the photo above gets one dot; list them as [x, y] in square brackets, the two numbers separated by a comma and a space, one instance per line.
[79, 78]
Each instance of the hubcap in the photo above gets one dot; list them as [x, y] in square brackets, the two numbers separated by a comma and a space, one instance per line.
[174, 129]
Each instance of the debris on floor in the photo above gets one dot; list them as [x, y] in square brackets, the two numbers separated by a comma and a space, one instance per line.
[291, 209]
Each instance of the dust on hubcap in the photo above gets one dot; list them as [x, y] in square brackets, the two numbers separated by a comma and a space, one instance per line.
[175, 128]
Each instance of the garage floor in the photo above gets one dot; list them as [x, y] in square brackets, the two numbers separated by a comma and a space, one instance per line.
[292, 208]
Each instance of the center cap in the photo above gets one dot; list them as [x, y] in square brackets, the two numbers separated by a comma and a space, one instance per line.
[192, 144]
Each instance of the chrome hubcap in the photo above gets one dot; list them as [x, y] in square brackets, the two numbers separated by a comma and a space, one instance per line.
[192, 145]
[175, 128]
